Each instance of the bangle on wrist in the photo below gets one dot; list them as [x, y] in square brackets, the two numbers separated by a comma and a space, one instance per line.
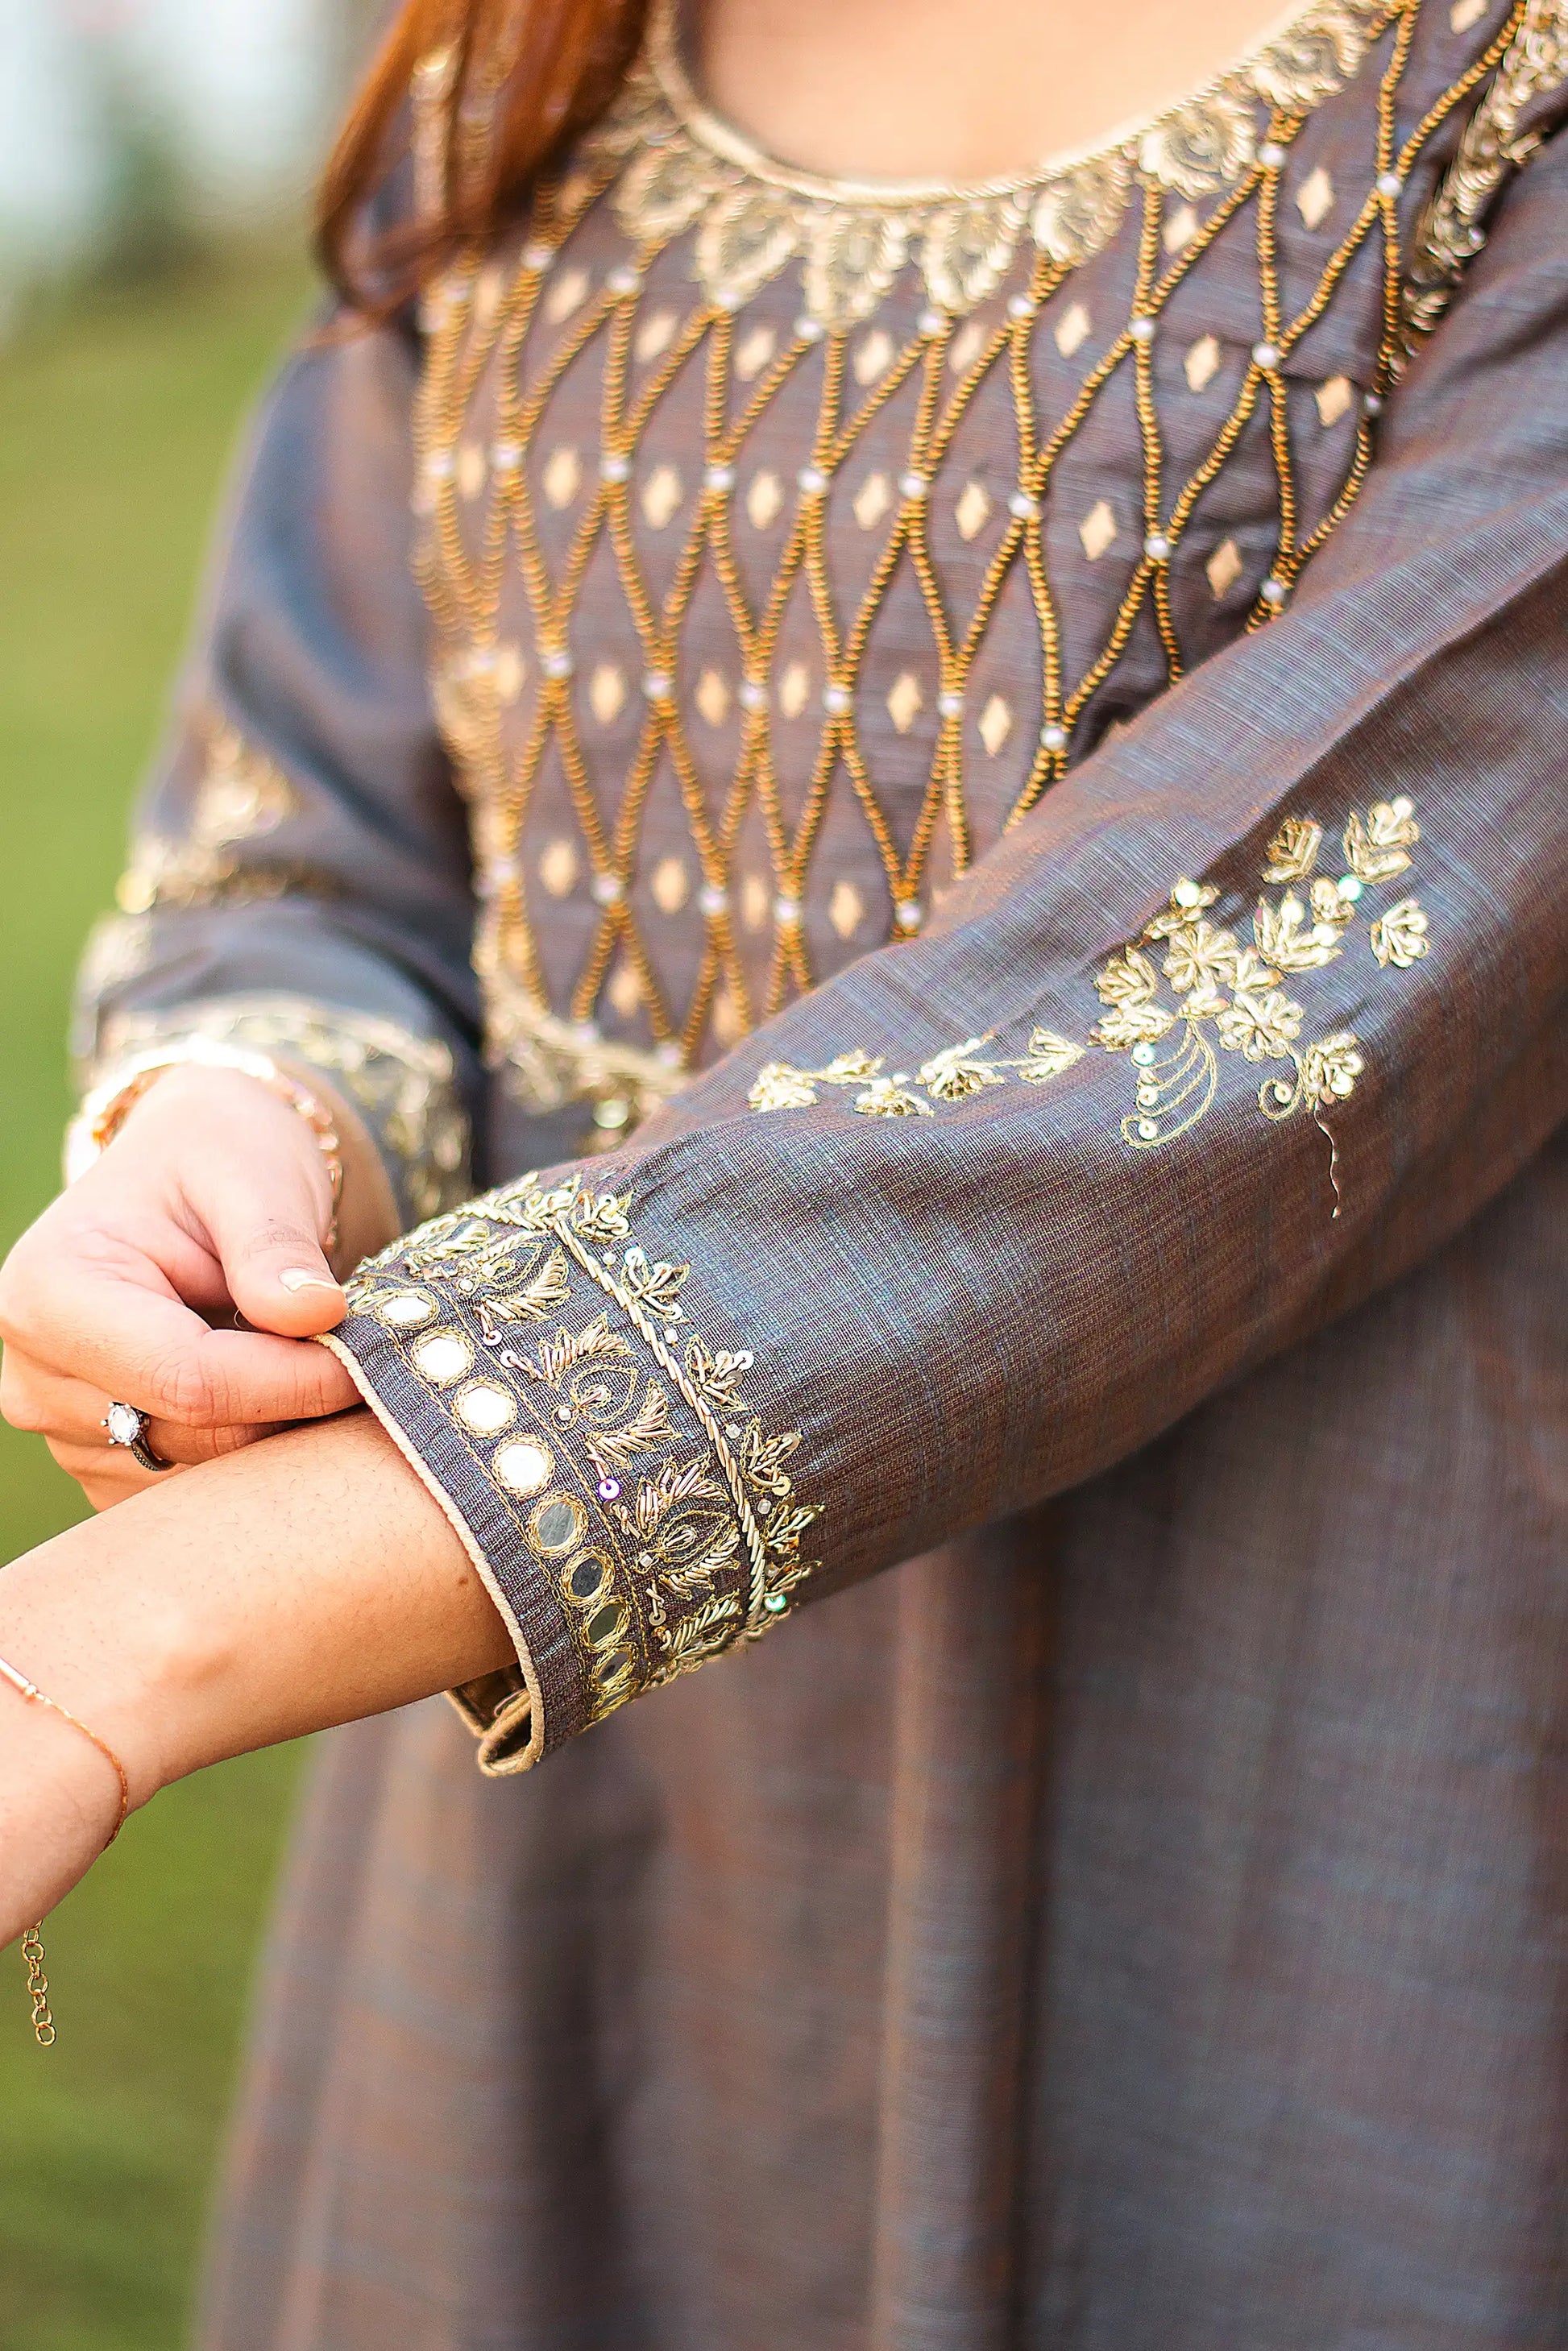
[32, 1941]
[105, 1109]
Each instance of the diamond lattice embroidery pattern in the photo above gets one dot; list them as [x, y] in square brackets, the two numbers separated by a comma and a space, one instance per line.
[785, 543]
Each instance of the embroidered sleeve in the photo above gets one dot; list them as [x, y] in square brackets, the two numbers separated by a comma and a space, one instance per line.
[1183, 995]
[992, 1207]
[591, 1439]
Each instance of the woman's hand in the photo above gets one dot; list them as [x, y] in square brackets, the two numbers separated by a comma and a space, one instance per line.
[298, 1584]
[212, 1203]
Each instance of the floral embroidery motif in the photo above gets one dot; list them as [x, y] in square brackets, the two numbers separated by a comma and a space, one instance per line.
[851, 240]
[1227, 993]
[746, 570]
[404, 1086]
[1452, 230]
[659, 1507]
[242, 796]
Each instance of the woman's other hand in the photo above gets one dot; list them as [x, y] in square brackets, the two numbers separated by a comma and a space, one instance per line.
[295, 1584]
[210, 1208]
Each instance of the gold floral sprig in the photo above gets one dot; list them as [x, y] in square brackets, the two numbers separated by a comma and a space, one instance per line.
[1185, 991]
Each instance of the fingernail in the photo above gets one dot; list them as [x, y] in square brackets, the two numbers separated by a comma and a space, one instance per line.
[298, 1277]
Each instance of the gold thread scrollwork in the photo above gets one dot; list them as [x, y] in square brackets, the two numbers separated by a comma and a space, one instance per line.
[684, 1536]
[756, 217]
[1496, 142]
[1186, 992]
[241, 797]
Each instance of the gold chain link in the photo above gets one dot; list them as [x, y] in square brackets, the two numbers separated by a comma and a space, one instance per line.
[38, 1986]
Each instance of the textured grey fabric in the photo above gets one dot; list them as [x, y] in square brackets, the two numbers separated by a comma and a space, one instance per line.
[1136, 1920]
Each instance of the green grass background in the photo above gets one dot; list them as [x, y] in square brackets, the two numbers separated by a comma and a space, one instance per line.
[118, 410]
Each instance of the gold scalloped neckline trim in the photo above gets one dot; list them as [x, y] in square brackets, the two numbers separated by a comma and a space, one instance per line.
[677, 167]
[1270, 70]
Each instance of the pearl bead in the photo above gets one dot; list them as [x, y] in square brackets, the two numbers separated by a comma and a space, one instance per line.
[718, 478]
[1273, 592]
[607, 889]
[931, 322]
[1143, 330]
[909, 915]
[1148, 1130]
[538, 256]
[614, 467]
[1349, 888]
[622, 280]
[751, 694]
[1053, 738]
[837, 701]
[1389, 183]
[1157, 547]
[556, 663]
[809, 331]
[712, 900]
[785, 912]
[811, 481]
[656, 685]
[1266, 355]
[1271, 155]
[1019, 307]
[914, 485]
[950, 705]
[1023, 506]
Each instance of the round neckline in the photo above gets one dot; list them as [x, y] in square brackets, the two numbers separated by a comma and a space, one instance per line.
[712, 131]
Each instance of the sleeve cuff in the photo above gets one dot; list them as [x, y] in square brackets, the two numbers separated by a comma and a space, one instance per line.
[630, 1515]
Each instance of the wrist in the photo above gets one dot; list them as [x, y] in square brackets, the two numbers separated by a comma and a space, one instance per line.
[115, 1650]
[109, 1108]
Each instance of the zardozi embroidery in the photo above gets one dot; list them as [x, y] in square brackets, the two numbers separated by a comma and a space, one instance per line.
[1183, 993]
[242, 796]
[521, 704]
[1495, 145]
[752, 218]
[658, 1504]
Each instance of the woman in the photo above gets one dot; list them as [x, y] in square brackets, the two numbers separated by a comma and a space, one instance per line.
[1011, 729]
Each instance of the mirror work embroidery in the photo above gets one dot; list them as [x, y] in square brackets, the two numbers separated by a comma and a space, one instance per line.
[613, 1438]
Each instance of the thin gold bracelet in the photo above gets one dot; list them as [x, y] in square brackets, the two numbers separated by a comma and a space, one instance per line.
[33, 1941]
[106, 1109]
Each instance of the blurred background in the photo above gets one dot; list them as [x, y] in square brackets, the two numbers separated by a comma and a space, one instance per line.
[155, 162]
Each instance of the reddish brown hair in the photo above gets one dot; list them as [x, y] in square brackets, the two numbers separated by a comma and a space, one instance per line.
[507, 84]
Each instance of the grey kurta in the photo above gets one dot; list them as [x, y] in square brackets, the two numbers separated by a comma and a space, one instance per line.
[1138, 1919]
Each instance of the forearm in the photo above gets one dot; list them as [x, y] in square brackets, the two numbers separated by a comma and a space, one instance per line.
[300, 1582]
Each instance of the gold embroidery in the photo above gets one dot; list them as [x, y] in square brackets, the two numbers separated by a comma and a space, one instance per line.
[405, 1086]
[649, 162]
[1224, 991]
[852, 240]
[1453, 228]
[680, 1538]
[242, 796]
